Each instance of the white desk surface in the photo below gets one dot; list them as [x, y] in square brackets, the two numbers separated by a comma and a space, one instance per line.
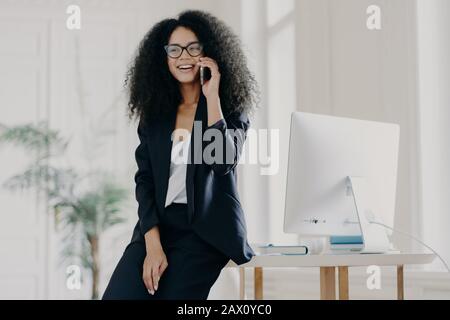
[335, 260]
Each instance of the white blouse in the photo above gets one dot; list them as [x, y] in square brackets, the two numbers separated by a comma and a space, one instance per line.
[176, 191]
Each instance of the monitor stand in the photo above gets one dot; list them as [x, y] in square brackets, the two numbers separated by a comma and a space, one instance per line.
[374, 237]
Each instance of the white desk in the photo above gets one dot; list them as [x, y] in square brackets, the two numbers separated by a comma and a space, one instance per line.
[328, 264]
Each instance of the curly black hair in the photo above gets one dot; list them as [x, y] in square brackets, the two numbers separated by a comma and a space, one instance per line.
[153, 91]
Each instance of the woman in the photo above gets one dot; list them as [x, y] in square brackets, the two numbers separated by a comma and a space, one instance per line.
[190, 218]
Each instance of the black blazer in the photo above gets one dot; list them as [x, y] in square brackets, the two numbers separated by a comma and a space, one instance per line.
[214, 208]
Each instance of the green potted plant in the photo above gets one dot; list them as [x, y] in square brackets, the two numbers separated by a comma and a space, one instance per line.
[85, 206]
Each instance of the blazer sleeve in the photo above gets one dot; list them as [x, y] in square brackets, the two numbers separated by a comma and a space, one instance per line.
[145, 187]
[233, 142]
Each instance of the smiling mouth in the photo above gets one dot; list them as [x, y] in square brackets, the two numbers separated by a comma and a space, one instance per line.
[185, 67]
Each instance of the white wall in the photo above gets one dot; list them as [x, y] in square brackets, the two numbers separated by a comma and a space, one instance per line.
[269, 41]
[24, 88]
[434, 109]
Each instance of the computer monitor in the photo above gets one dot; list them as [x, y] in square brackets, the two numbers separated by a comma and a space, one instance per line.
[335, 167]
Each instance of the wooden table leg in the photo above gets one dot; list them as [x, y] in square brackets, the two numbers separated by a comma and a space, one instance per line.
[242, 283]
[400, 283]
[258, 283]
[327, 283]
[343, 283]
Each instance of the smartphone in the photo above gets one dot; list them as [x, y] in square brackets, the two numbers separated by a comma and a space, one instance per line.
[205, 74]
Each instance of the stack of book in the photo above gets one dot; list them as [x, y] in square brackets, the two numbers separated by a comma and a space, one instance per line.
[271, 249]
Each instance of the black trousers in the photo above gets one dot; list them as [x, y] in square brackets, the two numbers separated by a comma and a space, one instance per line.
[193, 264]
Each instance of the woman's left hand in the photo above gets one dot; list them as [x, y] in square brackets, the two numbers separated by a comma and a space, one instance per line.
[210, 87]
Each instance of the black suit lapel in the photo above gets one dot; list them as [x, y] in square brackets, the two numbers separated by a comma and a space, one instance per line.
[163, 149]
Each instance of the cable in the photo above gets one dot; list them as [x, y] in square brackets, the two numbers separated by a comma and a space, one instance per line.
[418, 240]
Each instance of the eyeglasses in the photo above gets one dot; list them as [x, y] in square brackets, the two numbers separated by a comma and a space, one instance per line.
[174, 50]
